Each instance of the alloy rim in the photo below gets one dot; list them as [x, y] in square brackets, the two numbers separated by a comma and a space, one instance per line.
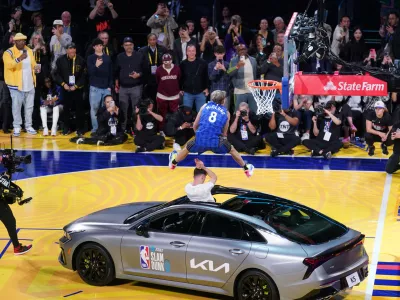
[255, 288]
[93, 265]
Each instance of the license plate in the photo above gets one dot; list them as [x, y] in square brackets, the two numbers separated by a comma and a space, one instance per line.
[353, 279]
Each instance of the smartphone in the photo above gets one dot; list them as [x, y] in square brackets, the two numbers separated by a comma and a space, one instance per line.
[112, 104]
[106, 2]
[210, 29]
[242, 58]
[24, 51]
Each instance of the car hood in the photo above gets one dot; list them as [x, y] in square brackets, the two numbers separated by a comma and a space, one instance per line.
[117, 214]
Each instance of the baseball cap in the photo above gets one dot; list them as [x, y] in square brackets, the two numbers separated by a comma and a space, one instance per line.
[71, 46]
[128, 40]
[167, 57]
[58, 22]
[379, 104]
[19, 37]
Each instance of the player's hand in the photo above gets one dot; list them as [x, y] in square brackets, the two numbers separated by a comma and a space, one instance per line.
[199, 163]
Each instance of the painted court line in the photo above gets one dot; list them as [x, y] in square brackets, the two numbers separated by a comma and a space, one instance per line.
[378, 239]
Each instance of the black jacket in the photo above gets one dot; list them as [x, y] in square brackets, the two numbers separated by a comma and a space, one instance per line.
[64, 70]
[125, 65]
[194, 76]
[104, 119]
[178, 54]
[146, 51]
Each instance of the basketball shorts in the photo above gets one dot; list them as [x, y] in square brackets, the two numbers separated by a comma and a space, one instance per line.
[220, 147]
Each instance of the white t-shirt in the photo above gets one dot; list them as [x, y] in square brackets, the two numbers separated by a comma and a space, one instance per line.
[248, 76]
[27, 79]
[200, 192]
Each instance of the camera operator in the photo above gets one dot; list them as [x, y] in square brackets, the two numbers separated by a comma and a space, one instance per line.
[283, 125]
[180, 126]
[327, 130]
[7, 216]
[146, 138]
[109, 131]
[378, 125]
[243, 131]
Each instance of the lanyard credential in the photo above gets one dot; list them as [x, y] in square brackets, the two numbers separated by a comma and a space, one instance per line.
[73, 66]
[155, 57]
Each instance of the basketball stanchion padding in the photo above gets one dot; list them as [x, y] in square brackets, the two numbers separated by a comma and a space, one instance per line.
[264, 92]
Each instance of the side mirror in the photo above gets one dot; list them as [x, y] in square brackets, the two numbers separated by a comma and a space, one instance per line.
[142, 230]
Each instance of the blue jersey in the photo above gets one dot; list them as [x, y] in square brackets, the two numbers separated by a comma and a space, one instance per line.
[212, 122]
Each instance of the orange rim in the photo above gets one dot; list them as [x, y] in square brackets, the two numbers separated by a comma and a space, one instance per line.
[272, 85]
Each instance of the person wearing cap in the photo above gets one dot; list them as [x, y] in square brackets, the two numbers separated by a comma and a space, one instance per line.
[100, 72]
[59, 42]
[152, 54]
[168, 77]
[20, 76]
[378, 125]
[129, 68]
[326, 128]
[70, 75]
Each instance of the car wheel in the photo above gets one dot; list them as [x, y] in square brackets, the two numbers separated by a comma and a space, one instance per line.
[256, 285]
[94, 265]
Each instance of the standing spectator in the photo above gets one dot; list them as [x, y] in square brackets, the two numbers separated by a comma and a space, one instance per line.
[243, 131]
[152, 54]
[267, 37]
[224, 24]
[59, 42]
[108, 48]
[327, 131]
[242, 70]
[217, 73]
[130, 66]
[162, 25]
[391, 35]
[100, 72]
[181, 44]
[194, 79]
[101, 19]
[273, 68]
[379, 124]
[70, 74]
[191, 27]
[355, 51]
[340, 35]
[16, 20]
[177, 10]
[19, 74]
[280, 26]
[258, 51]
[50, 101]
[39, 28]
[233, 38]
[40, 53]
[208, 44]
[204, 28]
[168, 90]
[71, 28]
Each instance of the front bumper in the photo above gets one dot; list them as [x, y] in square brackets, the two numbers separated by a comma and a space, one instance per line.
[330, 289]
[65, 256]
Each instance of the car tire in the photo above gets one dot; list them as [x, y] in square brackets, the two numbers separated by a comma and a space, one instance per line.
[258, 284]
[95, 265]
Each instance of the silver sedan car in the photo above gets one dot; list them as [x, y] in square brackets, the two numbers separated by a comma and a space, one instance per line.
[252, 246]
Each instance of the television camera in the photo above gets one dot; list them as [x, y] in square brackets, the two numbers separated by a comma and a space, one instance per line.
[11, 192]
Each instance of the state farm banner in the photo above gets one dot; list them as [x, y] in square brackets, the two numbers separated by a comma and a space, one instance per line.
[339, 85]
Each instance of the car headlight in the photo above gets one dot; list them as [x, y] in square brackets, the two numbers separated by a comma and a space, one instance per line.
[67, 234]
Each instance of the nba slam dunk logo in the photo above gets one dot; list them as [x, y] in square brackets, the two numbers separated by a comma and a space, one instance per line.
[152, 258]
[144, 257]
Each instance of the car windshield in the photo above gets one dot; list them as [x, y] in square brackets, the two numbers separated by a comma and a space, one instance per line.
[290, 220]
[152, 209]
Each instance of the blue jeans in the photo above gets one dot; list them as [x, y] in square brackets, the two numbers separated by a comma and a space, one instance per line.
[96, 98]
[198, 99]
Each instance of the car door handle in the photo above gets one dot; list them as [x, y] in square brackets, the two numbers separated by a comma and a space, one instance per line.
[177, 244]
[236, 251]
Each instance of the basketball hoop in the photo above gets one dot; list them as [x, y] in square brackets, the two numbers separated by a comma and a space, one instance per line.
[264, 93]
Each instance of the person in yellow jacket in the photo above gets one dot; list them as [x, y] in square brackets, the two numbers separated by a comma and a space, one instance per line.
[20, 70]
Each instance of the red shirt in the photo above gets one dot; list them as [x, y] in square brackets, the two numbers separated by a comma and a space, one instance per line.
[168, 83]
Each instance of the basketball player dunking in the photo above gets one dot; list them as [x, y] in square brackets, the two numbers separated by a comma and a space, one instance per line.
[211, 127]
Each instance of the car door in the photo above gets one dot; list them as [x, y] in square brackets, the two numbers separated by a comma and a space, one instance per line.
[216, 252]
[159, 254]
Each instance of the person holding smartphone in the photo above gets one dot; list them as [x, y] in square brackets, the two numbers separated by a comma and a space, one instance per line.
[100, 78]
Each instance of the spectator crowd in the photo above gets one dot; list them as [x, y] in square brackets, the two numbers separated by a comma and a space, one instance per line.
[66, 84]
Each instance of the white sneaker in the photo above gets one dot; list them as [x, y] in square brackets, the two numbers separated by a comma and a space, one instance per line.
[306, 136]
[172, 156]
[32, 131]
[79, 141]
[45, 131]
[250, 170]
[54, 131]
[176, 147]
[17, 131]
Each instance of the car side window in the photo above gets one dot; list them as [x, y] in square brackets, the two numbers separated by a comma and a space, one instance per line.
[176, 222]
[252, 235]
[218, 226]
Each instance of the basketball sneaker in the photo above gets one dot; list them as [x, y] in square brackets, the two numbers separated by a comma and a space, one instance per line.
[249, 171]
[22, 249]
[172, 156]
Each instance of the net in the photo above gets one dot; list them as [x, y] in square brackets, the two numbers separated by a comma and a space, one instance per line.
[264, 92]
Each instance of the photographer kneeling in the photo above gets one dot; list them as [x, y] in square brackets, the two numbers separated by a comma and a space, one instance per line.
[327, 130]
[243, 131]
[146, 138]
[109, 131]
[283, 125]
[179, 125]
